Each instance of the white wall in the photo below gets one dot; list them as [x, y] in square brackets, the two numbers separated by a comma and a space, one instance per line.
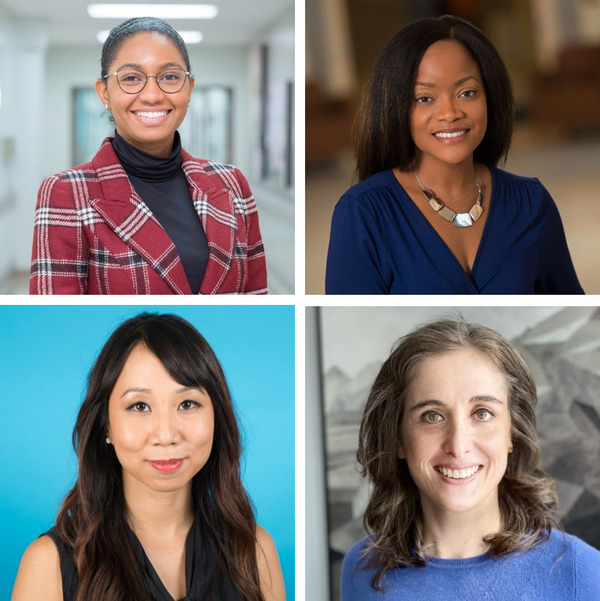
[275, 203]
[22, 51]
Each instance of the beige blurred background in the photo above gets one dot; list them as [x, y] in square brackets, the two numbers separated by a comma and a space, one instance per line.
[552, 51]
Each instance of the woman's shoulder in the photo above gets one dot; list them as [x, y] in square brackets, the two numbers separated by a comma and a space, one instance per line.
[39, 572]
[206, 165]
[220, 174]
[372, 186]
[269, 569]
[515, 181]
[583, 553]
[104, 158]
[356, 555]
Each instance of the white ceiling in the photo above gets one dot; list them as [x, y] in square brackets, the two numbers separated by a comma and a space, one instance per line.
[68, 23]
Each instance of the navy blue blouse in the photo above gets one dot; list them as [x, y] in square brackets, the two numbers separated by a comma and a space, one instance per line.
[382, 244]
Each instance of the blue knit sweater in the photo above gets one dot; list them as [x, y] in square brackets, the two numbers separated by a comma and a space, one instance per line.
[562, 569]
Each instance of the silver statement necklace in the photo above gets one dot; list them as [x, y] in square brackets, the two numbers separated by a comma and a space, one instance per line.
[458, 219]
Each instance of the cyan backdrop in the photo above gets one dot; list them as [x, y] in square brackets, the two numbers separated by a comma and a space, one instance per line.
[45, 355]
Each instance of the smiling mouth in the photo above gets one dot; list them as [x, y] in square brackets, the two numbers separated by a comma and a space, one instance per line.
[458, 474]
[449, 135]
[151, 115]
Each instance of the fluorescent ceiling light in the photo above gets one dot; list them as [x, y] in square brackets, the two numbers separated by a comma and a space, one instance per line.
[162, 11]
[189, 37]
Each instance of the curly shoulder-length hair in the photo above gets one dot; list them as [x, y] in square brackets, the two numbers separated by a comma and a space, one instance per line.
[528, 501]
[382, 126]
[92, 519]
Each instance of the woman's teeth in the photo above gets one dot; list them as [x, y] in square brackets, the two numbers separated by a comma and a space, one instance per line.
[151, 115]
[458, 474]
[455, 134]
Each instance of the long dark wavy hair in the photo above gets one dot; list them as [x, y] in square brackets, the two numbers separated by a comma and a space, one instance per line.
[528, 501]
[92, 519]
[382, 126]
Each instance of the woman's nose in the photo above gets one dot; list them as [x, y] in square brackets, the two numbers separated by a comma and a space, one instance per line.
[164, 429]
[151, 90]
[447, 109]
[458, 439]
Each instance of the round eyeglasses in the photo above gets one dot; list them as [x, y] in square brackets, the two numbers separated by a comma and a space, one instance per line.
[132, 81]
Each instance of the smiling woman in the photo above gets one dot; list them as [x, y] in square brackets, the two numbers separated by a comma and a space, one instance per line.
[158, 511]
[459, 509]
[145, 217]
[432, 212]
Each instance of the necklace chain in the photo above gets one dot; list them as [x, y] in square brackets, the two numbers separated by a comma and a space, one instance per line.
[459, 219]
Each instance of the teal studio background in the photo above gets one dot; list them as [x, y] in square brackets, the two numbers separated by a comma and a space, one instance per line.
[46, 354]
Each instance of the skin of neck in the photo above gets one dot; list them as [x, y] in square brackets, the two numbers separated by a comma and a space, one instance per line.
[167, 513]
[449, 180]
[453, 535]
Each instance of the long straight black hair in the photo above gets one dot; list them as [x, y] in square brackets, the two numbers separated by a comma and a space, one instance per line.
[382, 127]
[92, 518]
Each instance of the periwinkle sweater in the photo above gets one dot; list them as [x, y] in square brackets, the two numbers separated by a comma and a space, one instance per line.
[563, 569]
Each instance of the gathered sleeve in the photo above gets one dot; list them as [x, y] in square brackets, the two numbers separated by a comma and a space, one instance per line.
[357, 259]
[557, 274]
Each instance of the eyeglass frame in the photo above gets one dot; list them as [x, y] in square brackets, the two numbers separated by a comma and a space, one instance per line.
[147, 75]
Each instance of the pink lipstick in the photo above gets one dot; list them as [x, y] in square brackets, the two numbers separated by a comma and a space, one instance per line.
[167, 466]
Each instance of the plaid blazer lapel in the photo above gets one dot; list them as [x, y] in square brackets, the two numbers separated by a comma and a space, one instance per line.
[213, 201]
[126, 214]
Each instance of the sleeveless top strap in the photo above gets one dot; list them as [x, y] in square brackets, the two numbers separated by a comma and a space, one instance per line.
[68, 570]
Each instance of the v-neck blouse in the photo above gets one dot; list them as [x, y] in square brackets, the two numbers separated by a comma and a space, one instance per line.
[381, 243]
[202, 566]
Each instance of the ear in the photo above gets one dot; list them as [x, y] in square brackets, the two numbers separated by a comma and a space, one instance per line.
[102, 91]
[192, 84]
[400, 453]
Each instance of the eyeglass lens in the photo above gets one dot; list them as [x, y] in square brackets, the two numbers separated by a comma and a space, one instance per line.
[169, 81]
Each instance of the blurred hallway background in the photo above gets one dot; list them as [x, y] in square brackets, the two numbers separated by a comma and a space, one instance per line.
[241, 112]
[552, 51]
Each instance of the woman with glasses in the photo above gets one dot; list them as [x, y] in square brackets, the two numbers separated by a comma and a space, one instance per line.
[145, 217]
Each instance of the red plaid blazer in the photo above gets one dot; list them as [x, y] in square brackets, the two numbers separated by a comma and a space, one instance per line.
[93, 234]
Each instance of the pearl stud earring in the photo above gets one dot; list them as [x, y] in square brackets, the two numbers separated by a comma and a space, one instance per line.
[108, 440]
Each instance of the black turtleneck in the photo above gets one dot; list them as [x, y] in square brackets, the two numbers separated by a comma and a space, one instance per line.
[162, 185]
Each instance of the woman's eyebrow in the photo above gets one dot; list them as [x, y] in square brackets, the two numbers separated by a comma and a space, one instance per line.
[485, 398]
[136, 389]
[140, 68]
[456, 83]
[426, 403]
[480, 398]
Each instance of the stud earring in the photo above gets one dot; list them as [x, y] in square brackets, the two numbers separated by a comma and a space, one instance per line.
[108, 441]
[106, 107]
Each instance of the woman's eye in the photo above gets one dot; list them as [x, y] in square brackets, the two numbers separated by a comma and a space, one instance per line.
[139, 407]
[187, 405]
[423, 99]
[169, 76]
[431, 417]
[483, 415]
[469, 93]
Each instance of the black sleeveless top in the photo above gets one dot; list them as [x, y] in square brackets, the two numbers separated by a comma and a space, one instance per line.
[205, 576]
